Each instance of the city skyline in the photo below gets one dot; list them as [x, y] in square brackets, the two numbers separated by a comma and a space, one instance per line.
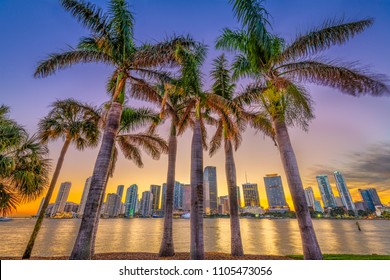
[353, 140]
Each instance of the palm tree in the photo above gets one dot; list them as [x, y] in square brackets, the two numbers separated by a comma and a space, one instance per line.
[199, 104]
[131, 143]
[229, 128]
[111, 42]
[279, 70]
[24, 168]
[74, 122]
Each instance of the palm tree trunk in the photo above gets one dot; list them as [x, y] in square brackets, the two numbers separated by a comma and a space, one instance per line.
[167, 248]
[38, 223]
[83, 244]
[311, 249]
[197, 242]
[235, 232]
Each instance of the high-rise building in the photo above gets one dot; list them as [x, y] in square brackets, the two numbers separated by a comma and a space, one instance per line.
[186, 197]
[224, 205]
[156, 190]
[146, 204]
[251, 195]
[309, 195]
[370, 198]
[326, 191]
[238, 197]
[119, 190]
[343, 191]
[131, 200]
[71, 207]
[360, 205]
[339, 202]
[119, 205]
[275, 192]
[62, 196]
[210, 192]
[178, 196]
[84, 196]
[111, 210]
[317, 206]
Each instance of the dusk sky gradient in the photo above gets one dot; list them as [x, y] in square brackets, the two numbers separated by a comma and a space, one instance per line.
[351, 135]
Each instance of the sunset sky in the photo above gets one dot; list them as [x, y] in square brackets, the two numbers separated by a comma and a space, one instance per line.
[351, 135]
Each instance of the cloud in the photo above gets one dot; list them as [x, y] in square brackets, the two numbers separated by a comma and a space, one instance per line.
[361, 169]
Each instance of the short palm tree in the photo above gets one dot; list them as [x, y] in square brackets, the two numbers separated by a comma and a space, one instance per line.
[74, 122]
[24, 168]
[111, 42]
[279, 70]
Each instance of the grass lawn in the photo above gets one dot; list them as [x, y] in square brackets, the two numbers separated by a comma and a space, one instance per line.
[346, 257]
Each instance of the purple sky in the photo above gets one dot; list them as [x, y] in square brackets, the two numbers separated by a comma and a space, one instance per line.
[349, 134]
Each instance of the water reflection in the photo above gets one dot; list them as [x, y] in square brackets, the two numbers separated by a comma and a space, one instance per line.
[271, 237]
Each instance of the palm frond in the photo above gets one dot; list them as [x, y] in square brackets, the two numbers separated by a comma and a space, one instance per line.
[216, 141]
[58, 61]
[9, 200]
[130, 151]
[233, 40]
[135, 118]
[348, 77]
[222, 81]
[332, 32]
[89, 15]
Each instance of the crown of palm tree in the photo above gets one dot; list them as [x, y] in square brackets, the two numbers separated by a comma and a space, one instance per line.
[73, 120]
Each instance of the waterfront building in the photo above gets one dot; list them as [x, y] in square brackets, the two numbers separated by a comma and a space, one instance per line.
[156, 190]
[62, 196]
[49, 209]
[370, 198]
[275, 192]
[131, 201]
[318, 207]
[146, 204]
[309, 195]
[119, 190]
[251, 195]
[84, 196]
[71, 207]
[339, 202]
[256, 210]
[360, 205]
[238, 197]
[186, 197]
[210, 192]
[178, 196]
[224, 205]
[111, 210]
[326, 191]
[119, 205]
[343, 191]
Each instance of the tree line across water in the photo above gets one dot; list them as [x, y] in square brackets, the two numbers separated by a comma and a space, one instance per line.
[168, 74]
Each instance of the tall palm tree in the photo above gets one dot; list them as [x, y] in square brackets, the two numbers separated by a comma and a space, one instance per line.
[24, 168]
[74, 122]
[131, 143]
[229, 128]
[111, 42]
[199, 104]
[279, 70]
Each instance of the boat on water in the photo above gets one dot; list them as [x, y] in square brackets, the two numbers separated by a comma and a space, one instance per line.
[5, 219]
[186, 216]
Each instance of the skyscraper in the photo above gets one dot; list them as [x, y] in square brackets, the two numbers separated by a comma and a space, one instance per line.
[210, 192]
[370, 198]
[111, 210]
[40, 206]
[118, 205]
[62, 196]
[251, 195]
[146, 203]
[238, 197]
[186, 197]
[274, 190]
[119, 190]
[326, 191]
[224, 205]
[156, 190]
[178, 196]
[309, 195]
[131, 200]
[343, 191]
[84, 196]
